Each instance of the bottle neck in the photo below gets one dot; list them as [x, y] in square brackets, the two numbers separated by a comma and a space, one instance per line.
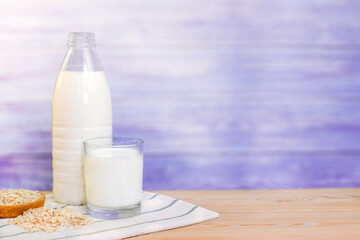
[82, 55]
[81, 40]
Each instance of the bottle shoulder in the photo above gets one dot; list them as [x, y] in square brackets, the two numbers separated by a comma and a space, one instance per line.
[82, 59]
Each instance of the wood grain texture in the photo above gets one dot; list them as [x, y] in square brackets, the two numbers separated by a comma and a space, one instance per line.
[226, 94]
[319, 214]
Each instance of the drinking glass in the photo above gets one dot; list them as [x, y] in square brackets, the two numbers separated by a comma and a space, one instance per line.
[113, 168]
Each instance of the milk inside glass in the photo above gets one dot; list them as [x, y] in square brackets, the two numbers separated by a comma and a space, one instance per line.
[113, 177]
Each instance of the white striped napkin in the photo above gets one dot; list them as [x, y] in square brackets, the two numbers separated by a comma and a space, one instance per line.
[158, 212]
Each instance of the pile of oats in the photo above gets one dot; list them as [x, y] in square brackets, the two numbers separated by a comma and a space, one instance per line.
[18, 196]
[49, 220]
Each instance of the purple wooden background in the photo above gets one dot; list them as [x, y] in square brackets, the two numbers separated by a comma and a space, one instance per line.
[226, 94]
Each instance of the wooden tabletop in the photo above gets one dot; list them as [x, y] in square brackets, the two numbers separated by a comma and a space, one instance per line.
[272, 214]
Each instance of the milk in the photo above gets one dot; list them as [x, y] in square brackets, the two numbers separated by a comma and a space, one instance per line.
[113, 177]
[81, 110]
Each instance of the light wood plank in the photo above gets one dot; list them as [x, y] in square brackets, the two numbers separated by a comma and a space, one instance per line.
[272, 214]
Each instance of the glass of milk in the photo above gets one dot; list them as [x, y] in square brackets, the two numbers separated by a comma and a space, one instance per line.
[113, 168]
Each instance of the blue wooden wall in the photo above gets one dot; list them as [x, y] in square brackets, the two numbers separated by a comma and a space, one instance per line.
[226, 94]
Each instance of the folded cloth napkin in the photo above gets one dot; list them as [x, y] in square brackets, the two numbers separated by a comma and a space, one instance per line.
[158, 212]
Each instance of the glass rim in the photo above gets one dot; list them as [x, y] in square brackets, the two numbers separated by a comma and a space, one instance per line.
[88, 142]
